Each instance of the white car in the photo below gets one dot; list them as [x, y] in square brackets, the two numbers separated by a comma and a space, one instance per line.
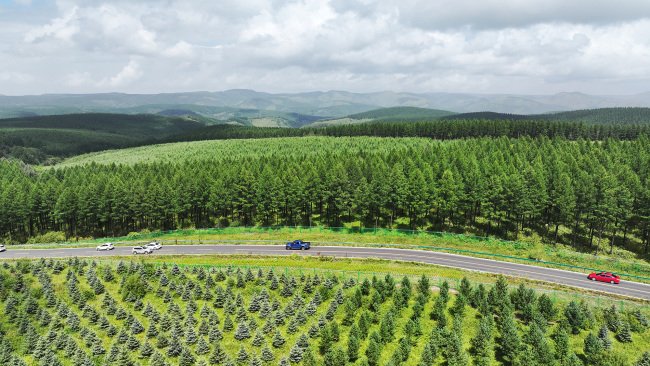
[2, 248]
[154, 245]
[106, 246]
[141, 250]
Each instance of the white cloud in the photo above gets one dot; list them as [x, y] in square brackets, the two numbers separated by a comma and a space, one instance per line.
[129, 74]
[537, 46]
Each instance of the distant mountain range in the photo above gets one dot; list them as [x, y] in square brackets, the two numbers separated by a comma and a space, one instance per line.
[303, 108]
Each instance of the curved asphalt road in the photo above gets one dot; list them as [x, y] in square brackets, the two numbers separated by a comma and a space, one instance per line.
[574, 279]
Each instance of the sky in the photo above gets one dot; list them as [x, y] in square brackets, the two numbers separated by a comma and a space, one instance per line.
[599, 47]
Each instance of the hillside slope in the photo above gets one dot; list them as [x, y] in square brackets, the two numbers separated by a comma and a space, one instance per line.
[35, 139]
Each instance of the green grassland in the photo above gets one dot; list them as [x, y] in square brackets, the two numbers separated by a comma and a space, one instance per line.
[78, 311]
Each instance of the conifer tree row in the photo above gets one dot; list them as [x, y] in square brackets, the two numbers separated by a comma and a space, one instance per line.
[490, 187]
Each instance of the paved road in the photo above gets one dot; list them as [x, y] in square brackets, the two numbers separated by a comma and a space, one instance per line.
[575, 279]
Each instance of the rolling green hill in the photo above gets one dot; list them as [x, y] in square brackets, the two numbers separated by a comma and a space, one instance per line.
[488, 116]
[602, 116]
[385, 115]
[400, 112]
[37, 138]
[614, 116]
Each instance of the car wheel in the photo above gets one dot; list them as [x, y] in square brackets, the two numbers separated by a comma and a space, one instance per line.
[302, 248]
[612, 282]
[134, 252]
[288, 248]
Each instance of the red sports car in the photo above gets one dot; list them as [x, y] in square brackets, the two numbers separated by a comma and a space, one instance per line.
[605, 277]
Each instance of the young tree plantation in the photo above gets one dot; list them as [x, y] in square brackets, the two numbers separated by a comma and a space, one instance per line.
[55, 313]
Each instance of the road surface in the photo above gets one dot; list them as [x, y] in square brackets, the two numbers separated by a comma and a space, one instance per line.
[568, 278]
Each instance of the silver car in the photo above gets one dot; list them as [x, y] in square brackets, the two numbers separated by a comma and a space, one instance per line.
[106, 246]
[141, 250]
[154, 245]
[2, 248]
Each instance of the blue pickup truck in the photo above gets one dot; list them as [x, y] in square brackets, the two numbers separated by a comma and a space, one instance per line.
[298, 244]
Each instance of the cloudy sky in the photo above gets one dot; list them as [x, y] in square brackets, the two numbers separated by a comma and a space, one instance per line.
[483, 46]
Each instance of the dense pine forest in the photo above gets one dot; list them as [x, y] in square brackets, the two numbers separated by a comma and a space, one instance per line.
[580, 193]
[83, 313]
[443, 130]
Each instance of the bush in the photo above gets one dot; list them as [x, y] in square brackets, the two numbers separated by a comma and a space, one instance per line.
[134, 288]
[49, 237]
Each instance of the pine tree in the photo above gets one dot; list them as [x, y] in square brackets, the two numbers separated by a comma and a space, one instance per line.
[242, 355]
[373, 352]
[123, 358]
[444, 291]
[459, 305]
[274, 283]
[218, 355]
[295, 354]
[258, 339]
[483, 343]
[254, 361]
[267, 354]
[353, 349]
[313, 331]
[308, 358]
[326, 340]
[624, 333]
[136, 327]
[562, 344]
[593, 348]
[190, 336]
[228, 324]
[283, 361]
[133, 343]
[644, 360]
[214, 335]
[175, 347]
[97, 348]
[303, 341]
[292, 327]
[186, 358]
[575, 317]
[387, 327]
[162, 341]
[603, 335]
[157, 359]
[455, 352]
[175, 270]
[146, 349]
[278, 339]
[546, 306]
[510, 340]
[331, 310]
[242, 332]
